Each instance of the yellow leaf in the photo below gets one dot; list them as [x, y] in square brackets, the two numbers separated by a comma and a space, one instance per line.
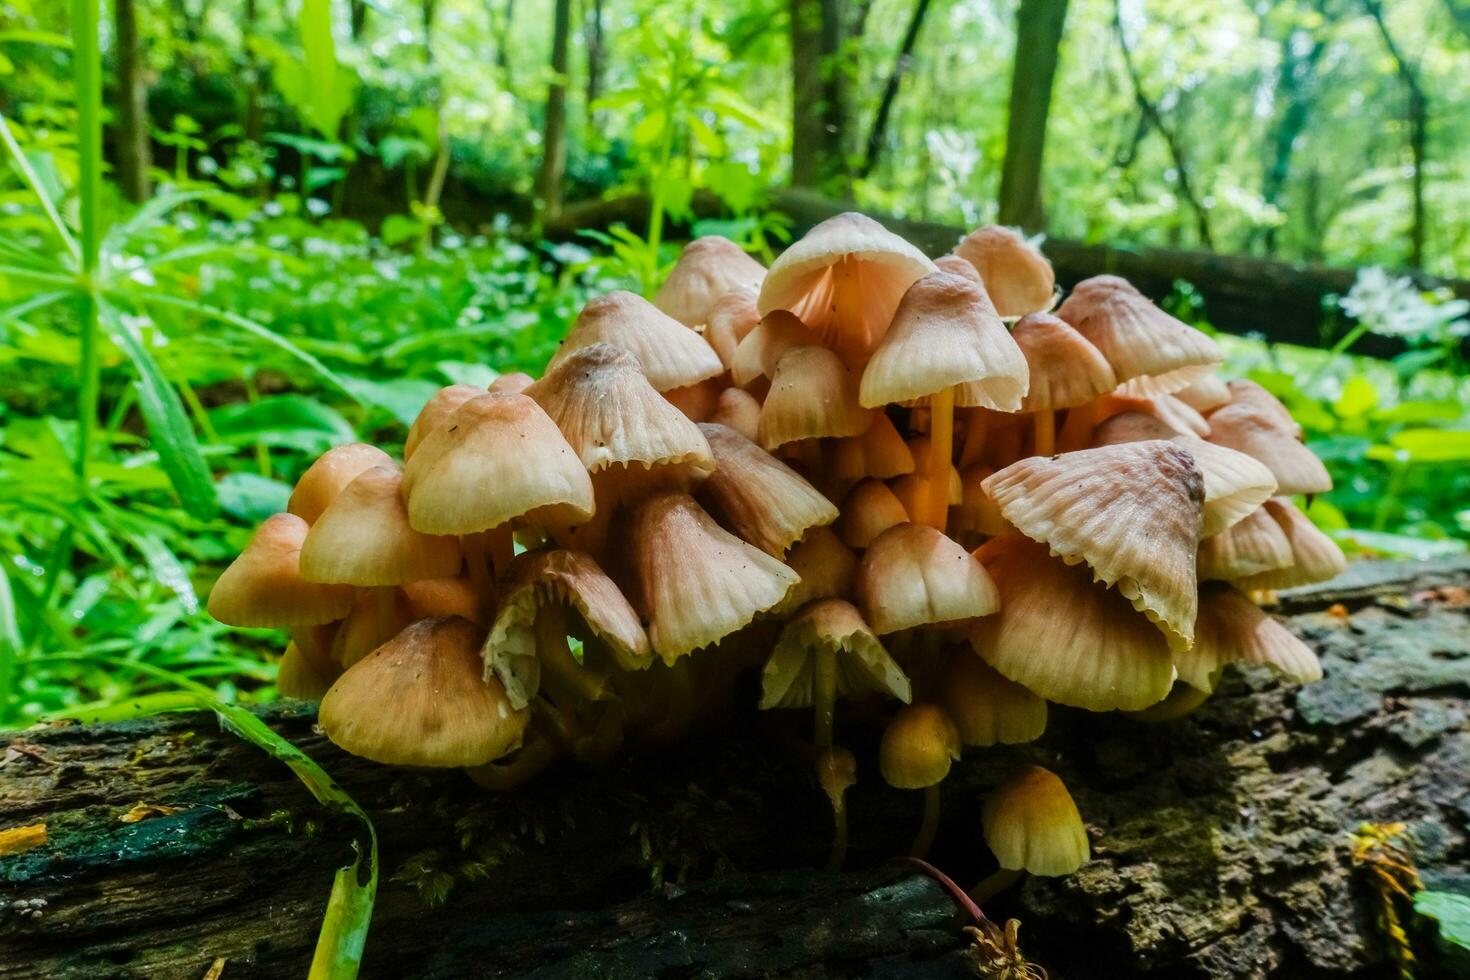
[143, 811]
[17, 840]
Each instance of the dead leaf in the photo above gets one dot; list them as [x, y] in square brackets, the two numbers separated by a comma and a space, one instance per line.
[18, 840]
[21, 749]
[144, 811]
[215, 969]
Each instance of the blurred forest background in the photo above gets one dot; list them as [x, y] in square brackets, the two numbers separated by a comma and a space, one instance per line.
[302, 216]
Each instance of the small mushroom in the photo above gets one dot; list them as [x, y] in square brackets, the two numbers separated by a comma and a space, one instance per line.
[1016, 274]
[870, 509]
[671, 355]
[762, 499]
[264, 586]
[916, 751]
[986, 707]
[1066, 371]
[812, 396]
[1031, 825]
[329, 476]
[738, 409]
[708, 268]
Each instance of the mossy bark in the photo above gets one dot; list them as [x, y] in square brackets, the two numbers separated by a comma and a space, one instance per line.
[1221, 841]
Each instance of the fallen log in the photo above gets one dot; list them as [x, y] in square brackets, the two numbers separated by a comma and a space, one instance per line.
[1242, 294]
[1222, 842]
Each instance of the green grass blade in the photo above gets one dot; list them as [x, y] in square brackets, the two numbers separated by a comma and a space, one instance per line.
[344, 929]
[168, 425]
[10, 644]
[28, 175]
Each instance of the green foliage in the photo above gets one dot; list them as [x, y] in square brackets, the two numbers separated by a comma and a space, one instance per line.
[1451, 911]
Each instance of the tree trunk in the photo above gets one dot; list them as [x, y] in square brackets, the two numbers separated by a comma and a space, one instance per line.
[254, 128]
[1222, 842]
[134, 146]
[357, 12]
[554, 130]
[596, 54]
[1296, 91]
[1418, 112]
[1039, 27]
[878, 134]
[820, 87]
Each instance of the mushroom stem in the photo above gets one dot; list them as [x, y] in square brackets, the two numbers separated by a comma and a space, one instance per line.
[994, 885]
[853, 340]
[475, 560]
[529, 761]
[975, 433]
[387, 603]
[824, 694]
[929, 825]
[502, 545]
[680, 700]
[839, 833]
[941, 439]
[1044, 425]
[1077, 429]
[569, 682]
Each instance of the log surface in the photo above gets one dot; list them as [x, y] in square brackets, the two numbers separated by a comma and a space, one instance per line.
[1221, 842]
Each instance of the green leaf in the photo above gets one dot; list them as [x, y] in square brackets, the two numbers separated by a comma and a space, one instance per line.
[251, 497]
[1433, 445]
[1358, 398]
[10, 643]
[1452, 911]
[292, 421]
[402, 397]
[169, 428]
[400, 228]
[328, 88]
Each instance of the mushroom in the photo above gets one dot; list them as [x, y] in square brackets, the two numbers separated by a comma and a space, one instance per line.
[1232, 629]
[986, 707]
[812, 396]
[912, 575]
[1031, 824]
[1206, 394]
[329, 475]
[844, 280]
[1255, 544]
[436, 412]
[1065, 637]
[376, 617]
[672, 355]
[870, 509]
[978, 514]
[956, 266]
[1314, 556]
[1065, 371]
[760, 350]
[708, 268]
[1132, 512]
[420, 700]
[946, 346]
[512, 383]
[297, 677]
[763, 500]
[1255, 430]
[826, 568]
[739, 410]
[880, 452]
[263, 586]
[697, 401]
[916, 751]
[731, 318]
[1017, 276]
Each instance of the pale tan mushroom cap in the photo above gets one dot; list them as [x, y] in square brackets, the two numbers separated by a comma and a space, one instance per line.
[1065, 637]
[813, 395]
[707, 269]
[1243, 391]
[263, 586]
[327, 477]
[880, 452]
[1252, 429]
[420, 700]
[1066, 370]
[495, 459]
[912, 575]
[827, 569]
[760, 350]
[364, 538]
[512, 383]
[957, 266]
[610, 414]
[1132, 512]
[863, 666]
[696, 582]
[881, 265]
[1031, 824]
[946, 334]
[987, 707]
[739, 410]
[537, 579]
[1018, 277]
[731, 319]
[1232, 629]
[435, 414]
[1150, 351]
[671, 355]
[1206, 394]
[433, 598]
[918, 747]
[1256, 544]
[1315, 556]
[870, 509]
[296, 677]
[763, 500]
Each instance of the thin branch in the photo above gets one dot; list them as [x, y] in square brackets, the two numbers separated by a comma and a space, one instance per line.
[890, 90]
[1408, 73]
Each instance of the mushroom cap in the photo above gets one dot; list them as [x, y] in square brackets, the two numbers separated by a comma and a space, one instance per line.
[697, 401]
[764, 501]
[813, 395]
[1254, 430]
[537, 579]
[367, 627]
[436, 412]
[671, 355]
[512, 383]
[296, 677]
[1232, 629]
[986, 707]
[610, 415]
[1206, 394]
[1150, 351]
[1031, 824]
[326, 478]
[1066, 637]
[731, 319]
[835, 626]
[1235, 485]
[870, 509]
[695, 582]
[1166, 408]
[1066, 370]
[1244, 391]
[946, 334]
[1315, 556]
[880, 452]
[419, 700]
[263, 585]
[918, 747]
[1018, 277]
[495, 459]
[868, 258]
[1132, 512]
[431, 598]
[977, 512]
[708, 268]
[826, 566]
[760, 350]
[364, 538]
[912, 575]
[1253, 545]
[957, 266]
[739, 410]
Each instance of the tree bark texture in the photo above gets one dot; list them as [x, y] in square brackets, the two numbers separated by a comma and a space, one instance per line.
[134, 142]
[1039, 26]
[1221, 842]
[819, 95]
[554, 130]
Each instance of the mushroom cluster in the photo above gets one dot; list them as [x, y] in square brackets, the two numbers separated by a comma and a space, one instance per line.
[900, 484]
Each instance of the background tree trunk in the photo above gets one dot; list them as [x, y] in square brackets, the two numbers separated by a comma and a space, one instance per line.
[1418, 112]
[879, 133]
[134, 142]
[596, 54]
[1039, 28]
[820, 87]
[554, 131]
[1221, 842]
[1296, 94]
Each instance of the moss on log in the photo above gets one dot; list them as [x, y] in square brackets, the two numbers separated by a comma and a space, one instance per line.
[1221, 841]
